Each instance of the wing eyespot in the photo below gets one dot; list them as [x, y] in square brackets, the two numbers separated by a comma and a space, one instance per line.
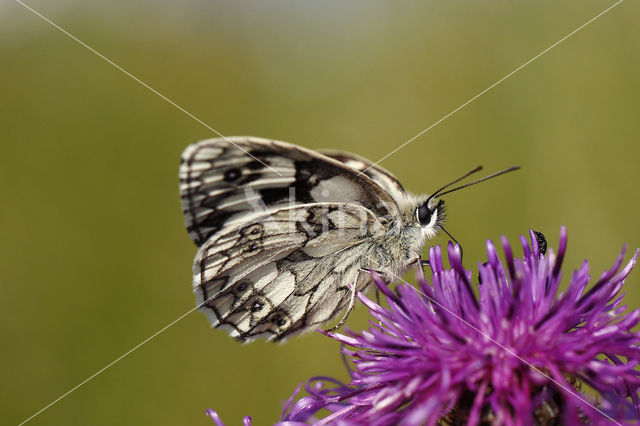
[232, 175]
[256, 306]
[280, 319]
[255, 229]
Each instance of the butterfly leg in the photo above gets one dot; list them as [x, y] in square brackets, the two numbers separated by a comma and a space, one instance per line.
[370, 270]
[419, 265]
[423, 263]
[352, 303]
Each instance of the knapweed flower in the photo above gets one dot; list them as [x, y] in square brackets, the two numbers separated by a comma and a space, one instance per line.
[509, 349]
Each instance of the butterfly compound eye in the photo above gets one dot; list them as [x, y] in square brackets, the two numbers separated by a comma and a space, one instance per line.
[423, 214]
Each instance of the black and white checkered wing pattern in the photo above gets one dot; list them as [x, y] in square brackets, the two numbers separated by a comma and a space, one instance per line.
[223, 180]
[285, 272]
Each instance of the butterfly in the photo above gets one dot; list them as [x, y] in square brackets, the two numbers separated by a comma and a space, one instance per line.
[287, 235]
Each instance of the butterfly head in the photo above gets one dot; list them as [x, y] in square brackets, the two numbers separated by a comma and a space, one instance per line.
[430, 216]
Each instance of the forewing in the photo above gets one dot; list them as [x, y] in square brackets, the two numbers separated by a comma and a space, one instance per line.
[285, 272]
[381, 176]
[224, 180]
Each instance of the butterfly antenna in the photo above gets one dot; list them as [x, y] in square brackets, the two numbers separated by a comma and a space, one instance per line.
[501, 172]
[477, 169]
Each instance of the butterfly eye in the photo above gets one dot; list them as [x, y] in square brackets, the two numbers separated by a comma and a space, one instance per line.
[423, 214]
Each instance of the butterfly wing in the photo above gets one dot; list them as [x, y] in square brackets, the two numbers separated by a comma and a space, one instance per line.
[284, 272]
[282, 232]
[381, 176]
[224, 180]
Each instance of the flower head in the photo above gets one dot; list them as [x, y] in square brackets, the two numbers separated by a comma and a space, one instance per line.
[515, 351]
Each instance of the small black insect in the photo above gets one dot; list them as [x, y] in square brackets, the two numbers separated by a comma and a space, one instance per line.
[542, 248]
[542, 242]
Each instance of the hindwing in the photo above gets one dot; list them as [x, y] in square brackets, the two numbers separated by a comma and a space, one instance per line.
[286, 271]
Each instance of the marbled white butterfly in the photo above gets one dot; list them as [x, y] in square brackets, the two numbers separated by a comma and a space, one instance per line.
[285, 233]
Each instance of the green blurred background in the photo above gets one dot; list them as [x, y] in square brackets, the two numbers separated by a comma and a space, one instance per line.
[94, 257]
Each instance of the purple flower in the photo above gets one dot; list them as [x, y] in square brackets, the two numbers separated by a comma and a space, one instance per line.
[512, 350]
[516, 353]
